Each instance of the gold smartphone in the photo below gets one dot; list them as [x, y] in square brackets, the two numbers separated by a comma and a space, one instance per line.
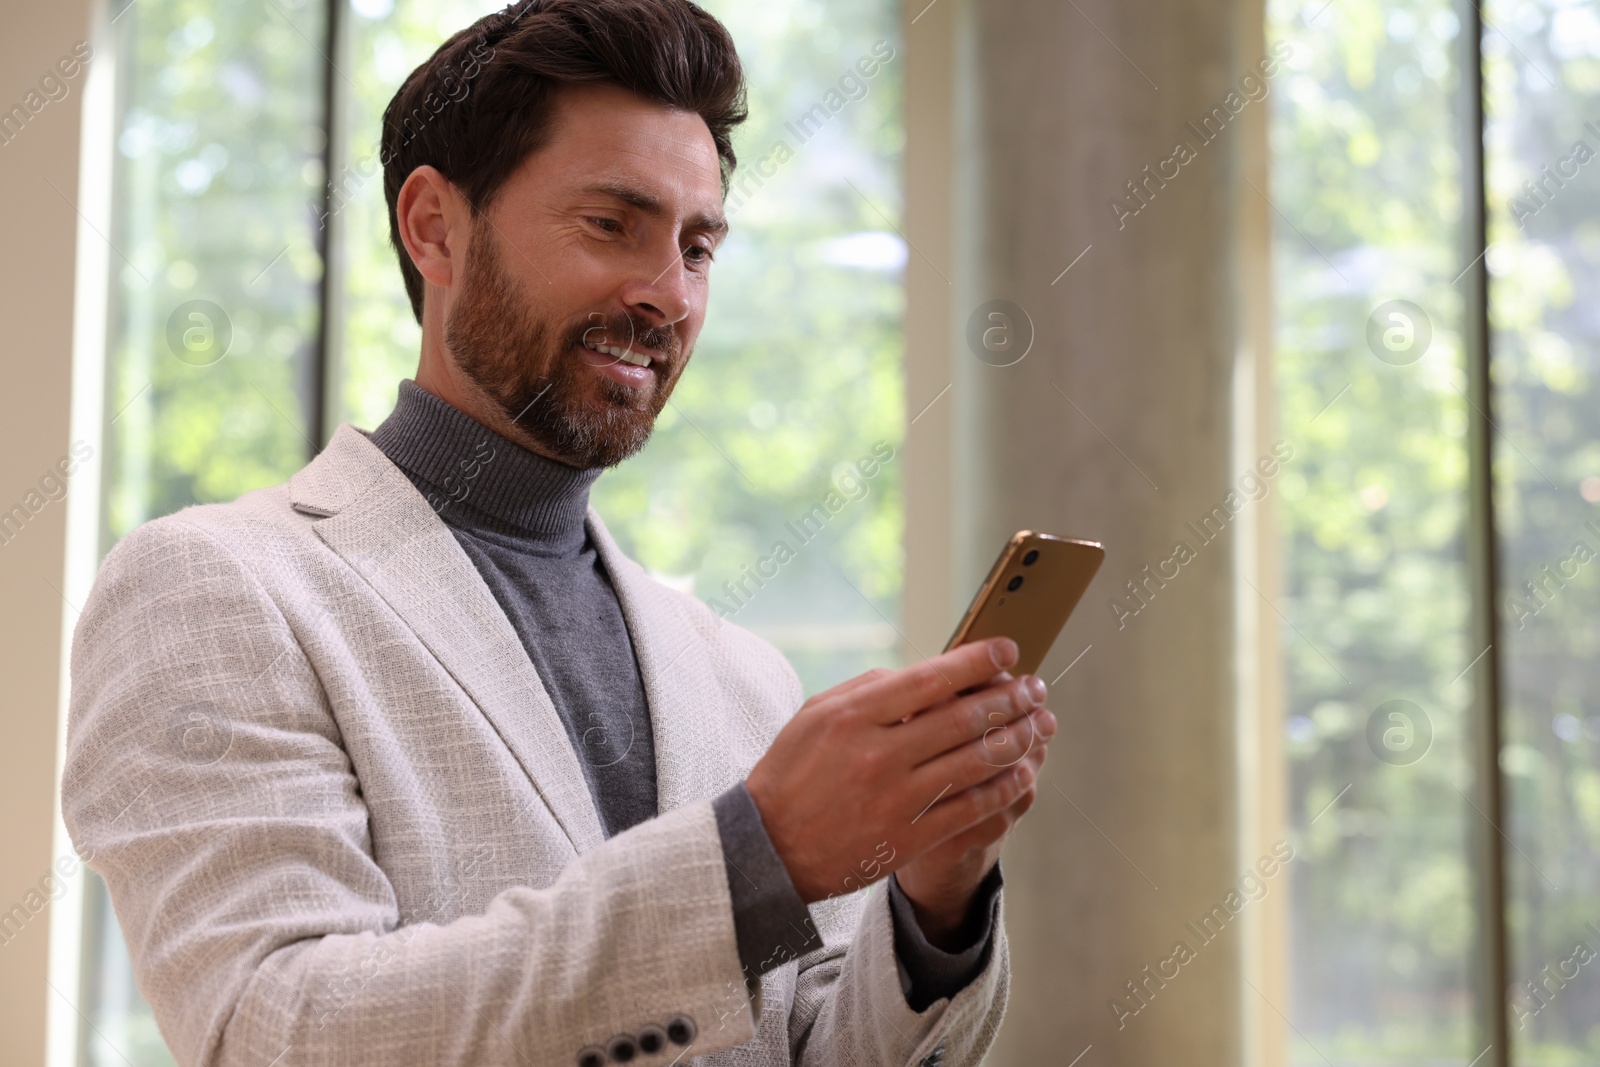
[1034, 585]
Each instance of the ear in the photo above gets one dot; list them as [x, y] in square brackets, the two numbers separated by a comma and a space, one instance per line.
[435, 224]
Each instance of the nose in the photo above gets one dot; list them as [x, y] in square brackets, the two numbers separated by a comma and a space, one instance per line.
[660, 294]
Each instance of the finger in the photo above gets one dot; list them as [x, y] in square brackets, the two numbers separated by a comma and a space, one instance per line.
[855, 683]
[959, 811]
[965, 771]
[1003, 676]
[996, 828]
[998, 679]
[991, 829]
[987, 832]
[999, 824]
[1023, 803]
[959, 722]
[981, 760]
[1003, 746]
[932, 681]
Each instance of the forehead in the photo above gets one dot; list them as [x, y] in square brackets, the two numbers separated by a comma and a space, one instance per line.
[600, 132]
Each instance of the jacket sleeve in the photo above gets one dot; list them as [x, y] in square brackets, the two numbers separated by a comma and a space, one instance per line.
[774, 925]
[851, 1007]
[206, 777]
[928, 972]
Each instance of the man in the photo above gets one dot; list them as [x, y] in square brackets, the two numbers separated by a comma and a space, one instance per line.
[404, 762]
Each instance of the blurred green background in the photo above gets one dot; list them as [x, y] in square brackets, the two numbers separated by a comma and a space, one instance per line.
[1367, 188]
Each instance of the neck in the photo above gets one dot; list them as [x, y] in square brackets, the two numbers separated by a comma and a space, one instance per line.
[445, 380]
[471, 472]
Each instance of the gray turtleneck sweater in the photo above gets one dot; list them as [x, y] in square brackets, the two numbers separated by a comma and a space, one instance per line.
[520, 518]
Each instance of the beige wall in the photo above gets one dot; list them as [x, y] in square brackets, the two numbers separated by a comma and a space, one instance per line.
[39, 185]
[1140, 403]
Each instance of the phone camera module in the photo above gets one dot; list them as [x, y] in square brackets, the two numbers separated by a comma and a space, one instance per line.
[1014, 584]
[1027, 560]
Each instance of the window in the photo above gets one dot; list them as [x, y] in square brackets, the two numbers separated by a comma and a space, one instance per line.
[232, 353]
[1542, 69]
[1403, 617]
[213, 318]
[1367, 175]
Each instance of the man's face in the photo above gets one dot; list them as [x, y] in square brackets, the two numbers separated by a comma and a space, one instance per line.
[586, 279]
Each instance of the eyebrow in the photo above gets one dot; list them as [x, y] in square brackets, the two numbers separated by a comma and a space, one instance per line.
[651, 205]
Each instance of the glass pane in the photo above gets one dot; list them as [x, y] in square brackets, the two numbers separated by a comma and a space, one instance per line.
[1367, 250]
[779, 430]
[1542, 64]
[120, 1028]
[214, 313]
[213, 316]
[379, 339]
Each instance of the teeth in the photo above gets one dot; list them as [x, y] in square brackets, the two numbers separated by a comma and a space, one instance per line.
[627, 355]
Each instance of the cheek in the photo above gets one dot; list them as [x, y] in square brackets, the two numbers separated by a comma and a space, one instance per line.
[688, 328]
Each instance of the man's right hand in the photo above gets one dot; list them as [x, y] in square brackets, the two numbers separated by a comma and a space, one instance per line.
[872, 773]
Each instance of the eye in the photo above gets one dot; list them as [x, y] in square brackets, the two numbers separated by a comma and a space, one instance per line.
[705, 256]
[606, 224]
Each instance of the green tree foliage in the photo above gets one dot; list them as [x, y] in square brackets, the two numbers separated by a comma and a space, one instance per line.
[1366, 136]
[218, 156]
[1367, 177]
[1542, 67]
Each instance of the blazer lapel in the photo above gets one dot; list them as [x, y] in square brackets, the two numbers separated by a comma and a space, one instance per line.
[697, 753]
[374, 518]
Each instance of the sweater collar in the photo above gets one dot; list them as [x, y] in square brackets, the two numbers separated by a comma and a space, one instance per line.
[469, 467]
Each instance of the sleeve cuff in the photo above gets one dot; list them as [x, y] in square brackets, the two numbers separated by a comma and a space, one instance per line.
[771, 923]
[928, 973]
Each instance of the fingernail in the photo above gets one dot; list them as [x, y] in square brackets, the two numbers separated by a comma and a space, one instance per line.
[1036, 688]
[1003, 651]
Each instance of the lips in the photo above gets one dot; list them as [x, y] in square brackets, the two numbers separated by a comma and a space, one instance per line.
[627, 355]
[627, 372]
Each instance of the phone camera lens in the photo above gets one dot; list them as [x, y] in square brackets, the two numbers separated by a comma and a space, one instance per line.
[1014, 584]
[1033, 554]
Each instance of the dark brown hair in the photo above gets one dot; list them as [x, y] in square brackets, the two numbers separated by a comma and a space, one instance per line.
[482, 102]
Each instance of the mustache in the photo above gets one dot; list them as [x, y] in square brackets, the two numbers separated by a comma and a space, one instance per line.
[622, 330]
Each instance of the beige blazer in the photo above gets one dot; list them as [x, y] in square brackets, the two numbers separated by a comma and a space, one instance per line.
[341, 822]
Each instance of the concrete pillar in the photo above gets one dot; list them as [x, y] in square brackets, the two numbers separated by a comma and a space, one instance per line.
[1138, 406]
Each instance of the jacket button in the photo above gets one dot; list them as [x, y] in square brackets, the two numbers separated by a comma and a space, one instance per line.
[680, 1028]
[652, 1039]
[592, 1057]
[621, 1048]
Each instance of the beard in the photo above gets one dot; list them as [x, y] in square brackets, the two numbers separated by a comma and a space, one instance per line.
[537, 372]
